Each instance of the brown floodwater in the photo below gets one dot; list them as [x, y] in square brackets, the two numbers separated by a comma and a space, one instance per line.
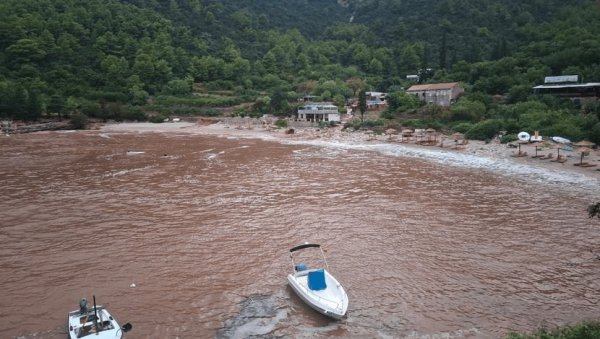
[428, 245]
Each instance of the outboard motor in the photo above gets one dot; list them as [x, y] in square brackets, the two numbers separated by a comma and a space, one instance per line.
[126, 328]
[83, 306]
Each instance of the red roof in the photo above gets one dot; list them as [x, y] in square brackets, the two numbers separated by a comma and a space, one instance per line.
[432, 87]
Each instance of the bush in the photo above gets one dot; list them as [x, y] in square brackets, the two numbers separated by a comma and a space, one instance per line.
[486, 129]
[463, 127]
[158, 118]
[79, 120]
[133, 113]
[414, 123]
[508, 138]
[178, 87]
[356, 124]
[213, 101]
[466, 109]
[90, 108]
[387, 114]
[281, 123]
[564, 128]
[373, 123]
[244, 113]
[594, 134]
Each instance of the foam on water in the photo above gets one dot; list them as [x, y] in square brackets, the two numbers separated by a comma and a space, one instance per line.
[470, 161]
[521, 172]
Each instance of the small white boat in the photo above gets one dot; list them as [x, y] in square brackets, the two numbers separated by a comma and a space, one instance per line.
[95, 323]
[523, 136]
[561, 140]
[317, 287]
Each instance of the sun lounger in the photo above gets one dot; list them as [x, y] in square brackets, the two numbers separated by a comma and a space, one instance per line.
[519, 154]
[549, 156]
[584, 164]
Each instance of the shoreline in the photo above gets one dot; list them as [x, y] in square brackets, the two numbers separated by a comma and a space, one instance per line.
[475, 154]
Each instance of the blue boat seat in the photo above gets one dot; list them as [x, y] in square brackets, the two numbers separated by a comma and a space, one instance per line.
[301, 267]
[316, 280]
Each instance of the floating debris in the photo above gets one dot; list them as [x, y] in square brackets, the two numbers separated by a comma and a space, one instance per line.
[258, 316]
[135, 152]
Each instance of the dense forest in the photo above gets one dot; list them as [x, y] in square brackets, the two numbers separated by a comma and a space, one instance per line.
[135, 59]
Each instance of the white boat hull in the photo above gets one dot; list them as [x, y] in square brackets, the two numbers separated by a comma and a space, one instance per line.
[561, 140]
[83, 325]
[331, 301]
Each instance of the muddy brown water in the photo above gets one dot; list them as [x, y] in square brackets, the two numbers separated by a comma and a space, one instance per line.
[202, 226]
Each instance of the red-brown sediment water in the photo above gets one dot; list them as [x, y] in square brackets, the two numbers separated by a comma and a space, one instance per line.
[202, 225]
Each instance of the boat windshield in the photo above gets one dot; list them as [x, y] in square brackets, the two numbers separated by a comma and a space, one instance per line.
[303, 246]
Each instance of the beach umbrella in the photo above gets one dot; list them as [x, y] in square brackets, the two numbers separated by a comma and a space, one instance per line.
[390, 132]
[431, 132]
[584, 143]
[458, 136]
[584, 151]
[520, 142]
[407, 132]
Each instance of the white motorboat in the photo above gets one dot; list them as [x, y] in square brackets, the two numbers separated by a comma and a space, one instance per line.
[316, 286]
[95, 323]
[524, 136]
[561, 140]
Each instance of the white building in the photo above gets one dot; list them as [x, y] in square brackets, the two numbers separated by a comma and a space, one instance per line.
[318, 111]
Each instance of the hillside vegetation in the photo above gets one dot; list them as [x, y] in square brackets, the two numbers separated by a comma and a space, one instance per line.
[127, 59]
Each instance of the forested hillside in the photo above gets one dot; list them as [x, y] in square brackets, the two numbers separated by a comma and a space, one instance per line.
[122, 59]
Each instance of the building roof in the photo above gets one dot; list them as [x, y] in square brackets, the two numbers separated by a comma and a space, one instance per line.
[376, 94]
[432, 87]
[318, 105]
[588, 85]
[591, 89]
[561, 79]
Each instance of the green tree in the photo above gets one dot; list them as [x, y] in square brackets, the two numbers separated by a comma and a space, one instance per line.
[279, 102]
[402, 101]
[56, 105]
[262, 104]
[180, 87]
[362, 104]
[71, 105]
[25, 51]
[355, 84]
[409, 59]
[466, 109]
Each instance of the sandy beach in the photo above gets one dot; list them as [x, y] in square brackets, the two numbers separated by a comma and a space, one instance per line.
[445, 147]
